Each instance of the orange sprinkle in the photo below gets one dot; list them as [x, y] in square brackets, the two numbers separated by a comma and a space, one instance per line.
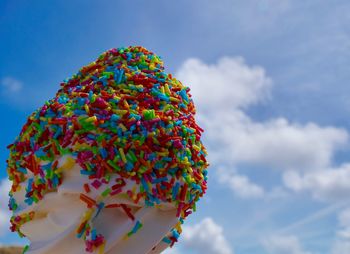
[81, 227]
[86, 188]
[112, 206]
[89, 201]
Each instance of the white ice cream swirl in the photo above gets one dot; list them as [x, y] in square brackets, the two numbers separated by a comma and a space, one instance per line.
[53, 229]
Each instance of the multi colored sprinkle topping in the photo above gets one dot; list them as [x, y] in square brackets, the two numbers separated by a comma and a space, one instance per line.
[120, 115]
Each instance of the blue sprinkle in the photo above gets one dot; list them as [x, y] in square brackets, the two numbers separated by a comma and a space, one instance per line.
[175, 190]
[79, 112]
[22, 170]
[28, 201]
[103, 79]
[99, 208]
[166, 240]
[158, 180]
[85, 172]
[55, 181]
[29, 186]
[144, 184]
[57, 133]
[115, 117]
[93, 234]
[129, 166]
[103, 153]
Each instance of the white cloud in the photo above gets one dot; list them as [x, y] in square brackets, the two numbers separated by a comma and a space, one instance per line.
[342, 243]
[10, 85]
[206, 237]
[275, 143]
[283, 245]
[240, 185]
[221, 93]
[341, 247]
[5, 186]
[228, 84]
[331, 184]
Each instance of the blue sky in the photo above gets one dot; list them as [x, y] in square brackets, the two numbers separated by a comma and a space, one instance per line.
[270, 81]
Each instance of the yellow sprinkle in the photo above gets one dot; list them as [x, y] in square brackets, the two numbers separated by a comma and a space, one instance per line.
[101, 249]
[87, 214]
[123, 127]
[133, 111]
[178, 227]
[174, 99]
[163, 153]
[139, 86]
[91, 119]
[120, 111]
[78, 146]
[205, 151]
[189, 169]
[162, 90]
[86, 108]
[197, 148]
[121, 151]
[69, 163]
[167, 90]
[126, 104]
[166, 107]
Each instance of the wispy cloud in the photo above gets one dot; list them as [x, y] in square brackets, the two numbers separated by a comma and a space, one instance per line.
[241, 185]
[314, 217]
[342, 243]
[283, 245]
[10, 85]
[327, 184]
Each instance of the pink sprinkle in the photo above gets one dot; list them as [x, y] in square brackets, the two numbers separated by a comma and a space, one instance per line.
[117, 191]
[96, 184]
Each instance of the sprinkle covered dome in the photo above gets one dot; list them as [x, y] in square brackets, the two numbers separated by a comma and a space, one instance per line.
[120, 115]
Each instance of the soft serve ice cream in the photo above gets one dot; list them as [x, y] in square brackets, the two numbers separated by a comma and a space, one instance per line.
[113, 164]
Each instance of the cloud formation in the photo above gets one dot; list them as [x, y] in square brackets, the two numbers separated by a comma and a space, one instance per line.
[206, 237]
[342, 243]
[228, 84]
[283, 245]
[10, 85]
[327, 184]
[222, 92]
[240, 184]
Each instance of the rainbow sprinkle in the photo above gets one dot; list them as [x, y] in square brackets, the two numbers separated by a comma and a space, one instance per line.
[121, 114]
